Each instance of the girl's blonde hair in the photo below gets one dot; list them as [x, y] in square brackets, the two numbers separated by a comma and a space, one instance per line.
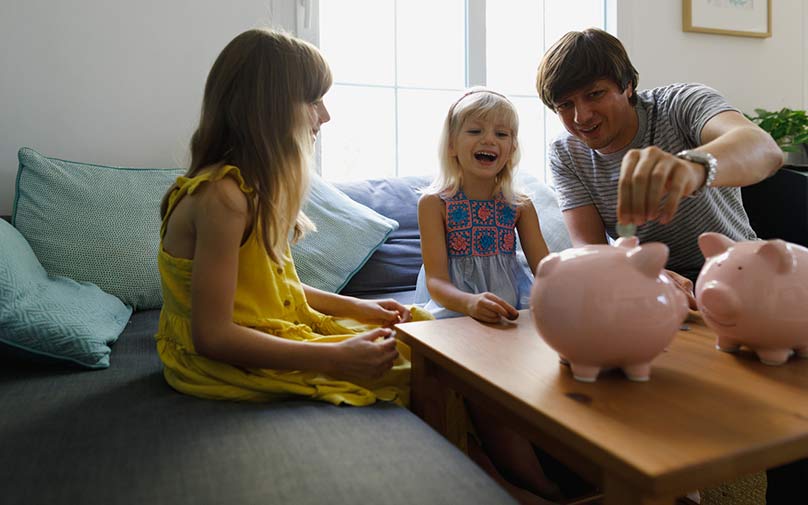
[255, 115]
[476, 103]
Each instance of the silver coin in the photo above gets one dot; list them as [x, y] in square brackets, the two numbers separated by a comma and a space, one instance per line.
[626, 230]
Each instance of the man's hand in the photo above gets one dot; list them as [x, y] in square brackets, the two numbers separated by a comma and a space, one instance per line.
[685, 285]
[647, 177]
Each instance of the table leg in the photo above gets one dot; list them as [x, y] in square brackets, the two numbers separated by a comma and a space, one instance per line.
[619, 492]
[428, 395]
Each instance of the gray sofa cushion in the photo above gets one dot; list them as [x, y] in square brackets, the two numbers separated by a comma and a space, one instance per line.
[121, 436]
[394, 266]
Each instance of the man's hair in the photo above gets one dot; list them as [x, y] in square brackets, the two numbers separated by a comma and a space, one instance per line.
[580, 58]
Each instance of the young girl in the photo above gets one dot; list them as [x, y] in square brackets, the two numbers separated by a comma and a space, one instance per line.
[236, 322]
[468, 215]
[467, 219]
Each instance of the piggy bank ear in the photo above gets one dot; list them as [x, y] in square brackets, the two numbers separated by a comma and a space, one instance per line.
[547, 265]
[649, 259]
[778, 255]
[713, 244]
[627, 242]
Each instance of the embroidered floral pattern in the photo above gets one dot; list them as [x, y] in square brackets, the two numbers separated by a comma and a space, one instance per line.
[507, 241]
[479, 227]
[458, 214]
[506, 214]
[485, 241]
[483, 213]
[459, 243]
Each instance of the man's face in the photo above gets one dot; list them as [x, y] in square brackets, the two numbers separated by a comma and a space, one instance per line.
[600, 115]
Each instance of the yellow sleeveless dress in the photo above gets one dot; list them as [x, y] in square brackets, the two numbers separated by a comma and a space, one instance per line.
[270, 298]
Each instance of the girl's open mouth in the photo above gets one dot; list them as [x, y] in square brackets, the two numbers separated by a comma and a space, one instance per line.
[485, 156]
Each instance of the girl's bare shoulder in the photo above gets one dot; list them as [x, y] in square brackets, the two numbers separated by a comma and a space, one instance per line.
[221, 195]
[430, 200]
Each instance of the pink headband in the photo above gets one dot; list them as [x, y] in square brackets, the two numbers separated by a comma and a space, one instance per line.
[467, 93]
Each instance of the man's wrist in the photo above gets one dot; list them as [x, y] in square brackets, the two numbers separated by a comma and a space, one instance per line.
[707, 161]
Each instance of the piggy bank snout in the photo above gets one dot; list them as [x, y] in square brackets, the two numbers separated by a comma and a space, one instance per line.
[718, 300]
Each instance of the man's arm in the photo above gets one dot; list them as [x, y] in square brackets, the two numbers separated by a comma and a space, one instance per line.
[745, 153]
[584, 225]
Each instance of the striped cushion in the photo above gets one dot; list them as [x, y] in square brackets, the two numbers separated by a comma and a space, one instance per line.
[94, 223]
[53, 318]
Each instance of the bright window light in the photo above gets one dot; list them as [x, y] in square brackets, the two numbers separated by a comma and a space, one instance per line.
[400, 64]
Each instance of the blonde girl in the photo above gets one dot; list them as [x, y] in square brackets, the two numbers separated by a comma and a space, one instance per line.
[469, 215]
[236, 322]
[468, 218]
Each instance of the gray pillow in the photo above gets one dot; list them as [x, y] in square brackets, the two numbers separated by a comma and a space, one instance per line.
[544, 199]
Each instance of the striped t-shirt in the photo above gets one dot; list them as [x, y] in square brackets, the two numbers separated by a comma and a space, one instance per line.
[583, 176]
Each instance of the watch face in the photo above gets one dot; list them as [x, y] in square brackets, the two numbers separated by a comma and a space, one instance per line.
[705, 159]
[699, 157]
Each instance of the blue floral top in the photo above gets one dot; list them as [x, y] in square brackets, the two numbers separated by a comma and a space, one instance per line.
[481, 245]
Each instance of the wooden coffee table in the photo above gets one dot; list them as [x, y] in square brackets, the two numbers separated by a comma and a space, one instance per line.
[705, 417]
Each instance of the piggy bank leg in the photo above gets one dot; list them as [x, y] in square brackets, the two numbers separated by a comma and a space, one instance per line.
[638, 373]
[774, 356]
[726, 344]
[584, 373]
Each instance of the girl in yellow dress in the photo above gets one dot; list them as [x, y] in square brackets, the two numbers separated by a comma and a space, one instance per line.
[236, 321]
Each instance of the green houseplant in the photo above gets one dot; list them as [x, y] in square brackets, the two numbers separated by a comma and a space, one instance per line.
[789, 128]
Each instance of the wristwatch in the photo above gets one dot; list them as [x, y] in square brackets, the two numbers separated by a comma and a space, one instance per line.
[705, 159]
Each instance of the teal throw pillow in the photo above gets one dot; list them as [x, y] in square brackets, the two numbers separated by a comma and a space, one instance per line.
[347, 235]
[53, 318]
[94, 223]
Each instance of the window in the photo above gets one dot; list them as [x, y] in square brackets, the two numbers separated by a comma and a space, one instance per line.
[399, 64]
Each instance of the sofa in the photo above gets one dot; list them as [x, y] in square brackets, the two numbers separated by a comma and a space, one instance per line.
[113, 431]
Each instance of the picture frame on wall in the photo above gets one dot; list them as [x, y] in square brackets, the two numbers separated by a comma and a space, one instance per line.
[742, 18]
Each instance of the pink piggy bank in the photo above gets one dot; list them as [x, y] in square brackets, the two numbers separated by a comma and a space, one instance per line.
[755, 293]
[603, 306]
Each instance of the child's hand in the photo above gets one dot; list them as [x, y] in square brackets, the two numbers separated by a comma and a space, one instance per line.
[367, 355]
[385, 312]
[490, 308]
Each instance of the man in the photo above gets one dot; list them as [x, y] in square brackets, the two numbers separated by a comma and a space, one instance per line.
[669, 160]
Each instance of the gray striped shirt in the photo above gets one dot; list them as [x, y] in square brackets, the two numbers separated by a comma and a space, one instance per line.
[583, 176]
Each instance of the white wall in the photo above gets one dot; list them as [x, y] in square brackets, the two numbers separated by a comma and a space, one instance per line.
[751, 73]
[117, 82]
[111, 81]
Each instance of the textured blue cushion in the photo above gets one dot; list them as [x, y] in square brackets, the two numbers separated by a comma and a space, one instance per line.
[394, 266]
[53, 318]
[347, 234]
[94, 223]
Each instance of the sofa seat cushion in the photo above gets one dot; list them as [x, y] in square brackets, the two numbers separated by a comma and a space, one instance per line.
[123, 436]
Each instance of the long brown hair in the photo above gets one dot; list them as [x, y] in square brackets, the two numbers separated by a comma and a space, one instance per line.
[255, 116]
